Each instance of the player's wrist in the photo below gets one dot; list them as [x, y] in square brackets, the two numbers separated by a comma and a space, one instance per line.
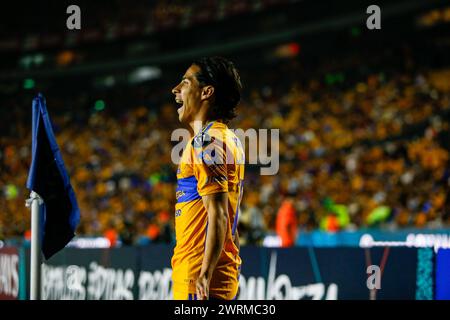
[207, 274]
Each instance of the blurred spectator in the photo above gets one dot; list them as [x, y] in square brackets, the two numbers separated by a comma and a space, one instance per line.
[376, 143]
[251, 222]
[286, 223]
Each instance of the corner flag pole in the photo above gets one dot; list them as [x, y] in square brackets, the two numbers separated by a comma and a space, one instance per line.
[55, 214]
[36, 202]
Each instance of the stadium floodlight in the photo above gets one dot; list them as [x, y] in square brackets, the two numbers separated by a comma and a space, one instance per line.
[145, 73]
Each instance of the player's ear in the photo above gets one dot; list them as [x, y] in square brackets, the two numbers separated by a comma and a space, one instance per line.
[207, 92]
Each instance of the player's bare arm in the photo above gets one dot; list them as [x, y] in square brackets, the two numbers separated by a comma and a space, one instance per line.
[217, 207]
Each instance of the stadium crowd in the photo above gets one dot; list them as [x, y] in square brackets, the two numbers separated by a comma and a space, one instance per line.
[361, 153]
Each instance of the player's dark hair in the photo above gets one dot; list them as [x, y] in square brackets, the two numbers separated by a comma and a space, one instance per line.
[223, 76]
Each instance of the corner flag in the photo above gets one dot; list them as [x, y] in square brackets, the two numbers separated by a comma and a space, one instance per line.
[49, 179]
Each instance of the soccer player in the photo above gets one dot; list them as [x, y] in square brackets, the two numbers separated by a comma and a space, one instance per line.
[206, 262]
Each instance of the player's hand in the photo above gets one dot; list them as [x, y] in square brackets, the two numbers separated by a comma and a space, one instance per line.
[202, 288]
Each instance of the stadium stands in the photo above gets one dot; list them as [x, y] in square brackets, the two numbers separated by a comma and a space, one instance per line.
[364, 144]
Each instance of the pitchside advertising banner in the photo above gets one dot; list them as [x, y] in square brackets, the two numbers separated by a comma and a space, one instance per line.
[267, 273]
[412, 238]
[9, 273]
[443, 275]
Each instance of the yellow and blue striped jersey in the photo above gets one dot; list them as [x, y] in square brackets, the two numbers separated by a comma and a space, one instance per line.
[212, 162]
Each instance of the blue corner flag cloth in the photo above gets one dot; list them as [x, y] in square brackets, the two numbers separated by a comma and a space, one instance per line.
[49, 179]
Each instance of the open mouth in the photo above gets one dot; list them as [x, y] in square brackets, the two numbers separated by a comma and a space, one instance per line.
[180, 103]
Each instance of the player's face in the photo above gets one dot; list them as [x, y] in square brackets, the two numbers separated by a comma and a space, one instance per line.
[187, 95]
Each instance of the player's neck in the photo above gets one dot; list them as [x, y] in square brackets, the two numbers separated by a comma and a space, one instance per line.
[201, 120]
[198, 126]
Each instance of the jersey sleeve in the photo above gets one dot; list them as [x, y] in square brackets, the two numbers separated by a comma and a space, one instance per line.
[210, 166]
